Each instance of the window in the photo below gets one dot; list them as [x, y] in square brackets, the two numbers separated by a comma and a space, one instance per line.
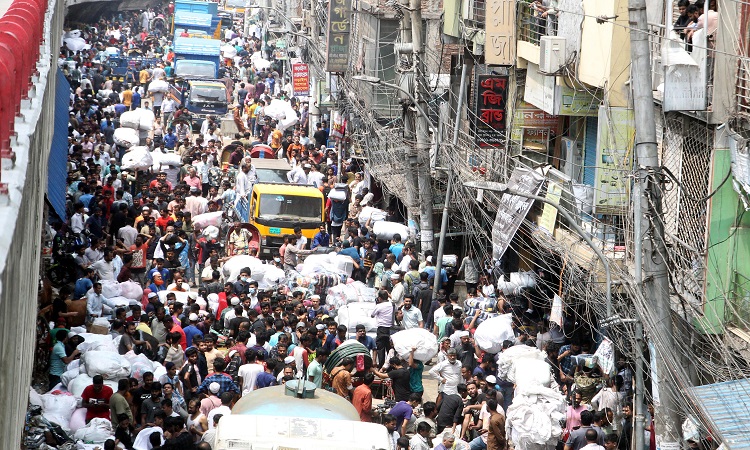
[278, 206]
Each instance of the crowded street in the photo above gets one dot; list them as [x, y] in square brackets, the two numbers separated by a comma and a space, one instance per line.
[248, 255]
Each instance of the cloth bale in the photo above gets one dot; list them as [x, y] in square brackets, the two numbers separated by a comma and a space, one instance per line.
[111, 366]
[491, 333]
[386, 230]
[58, 408]
[424, 341]
[138, 158]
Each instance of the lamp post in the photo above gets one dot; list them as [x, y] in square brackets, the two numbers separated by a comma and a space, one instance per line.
[503, 188]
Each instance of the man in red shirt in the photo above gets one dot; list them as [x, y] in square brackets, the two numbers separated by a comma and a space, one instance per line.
[174, 327]
[96, 399]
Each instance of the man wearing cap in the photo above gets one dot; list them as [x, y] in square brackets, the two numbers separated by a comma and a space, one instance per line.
[225, 381]
[398, 291]
[298, 175]
[194, 203]
[192, 330]
[212, 401]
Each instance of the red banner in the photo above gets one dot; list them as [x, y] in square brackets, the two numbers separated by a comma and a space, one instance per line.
[300, 80]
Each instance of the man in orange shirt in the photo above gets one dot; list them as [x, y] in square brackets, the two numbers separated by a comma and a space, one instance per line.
[341, 377]
[362, 398]
[276, 136]
[127, 97]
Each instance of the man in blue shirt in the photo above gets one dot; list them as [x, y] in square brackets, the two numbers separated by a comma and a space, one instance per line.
[347, 250]
[366, 340]
[83, 284]
[396, 246]
[322, 239]
[170, 139]
[403, 411]
[192, 330]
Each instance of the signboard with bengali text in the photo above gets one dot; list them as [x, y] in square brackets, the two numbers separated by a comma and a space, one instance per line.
[490, 101]
[338, 34]
[300, 80]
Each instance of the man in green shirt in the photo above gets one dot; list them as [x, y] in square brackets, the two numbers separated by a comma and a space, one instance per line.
[315, 369]
[58, 359]
[118, 404]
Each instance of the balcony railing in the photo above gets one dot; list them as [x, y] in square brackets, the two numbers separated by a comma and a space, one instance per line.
[743, 86]
[531, 26]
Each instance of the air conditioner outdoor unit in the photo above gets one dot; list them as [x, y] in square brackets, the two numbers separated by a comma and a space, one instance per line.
[572, 158]
[552, 54]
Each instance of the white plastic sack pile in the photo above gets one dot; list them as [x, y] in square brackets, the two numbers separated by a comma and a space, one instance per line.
[127, 137]
[109, 365]
[59, 409]
[96, 342]
[342, 294]
[424, 341]
[506, 360]
[368, 212]
[386, 230]
[211, 219]
[79, 383]
[96, 432]
[355, 314]
[327, 263]
[530, 371]
[533, 419]
[131, 290]
[283, 112]
[267, 275]
[231, 268]
[158, 86]
[491, 333]
[102, 322]
[138, 158]
[139, 364]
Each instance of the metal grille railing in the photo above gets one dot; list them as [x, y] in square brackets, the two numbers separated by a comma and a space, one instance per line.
[686, 148]
[743, 86]
[531, 26]
[655, 37]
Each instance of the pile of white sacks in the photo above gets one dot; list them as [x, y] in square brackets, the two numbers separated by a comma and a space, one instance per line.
[533, 420]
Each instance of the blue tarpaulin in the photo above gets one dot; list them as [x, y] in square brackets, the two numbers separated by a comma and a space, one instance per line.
[57, 164]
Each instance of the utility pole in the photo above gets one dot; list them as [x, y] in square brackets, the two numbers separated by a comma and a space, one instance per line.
[412, 185]
[648, 198]
[421, 94]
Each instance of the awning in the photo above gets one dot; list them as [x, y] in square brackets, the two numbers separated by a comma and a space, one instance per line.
[57, 165]
[726, 406]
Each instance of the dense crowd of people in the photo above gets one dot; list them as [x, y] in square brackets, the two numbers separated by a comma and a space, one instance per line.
[229, 337]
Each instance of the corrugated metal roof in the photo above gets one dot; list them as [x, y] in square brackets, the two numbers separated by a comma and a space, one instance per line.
[727, 406]
[57, 165]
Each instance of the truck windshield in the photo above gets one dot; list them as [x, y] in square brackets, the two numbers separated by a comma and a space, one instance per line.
[277, 206]
[208, 94]
[195, 69]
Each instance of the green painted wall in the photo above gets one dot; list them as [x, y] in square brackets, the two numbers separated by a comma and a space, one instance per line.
[728, 251]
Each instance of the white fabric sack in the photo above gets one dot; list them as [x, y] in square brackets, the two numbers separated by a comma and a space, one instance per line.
[96, 432]
[76, 44]
[119, 302]
[59, 409]
[211, 232]
[158, 86]
[35, 398]
[138, 158]
[180, 297]
[145, 119]
[272, 278]
[75, 364]
[507, 359]
[110, 288]
[111, 366]
[131, 119]
[69, 376]
[368, 212]
[425, 342]
[355, 314]
[168, 159]
[204, 220]
[231, 268]
[72, 34]
[491, 333]
[80, 382]
[131, 290]
[126, 137]
[530, 371]
[450, 260]
[228, 51]
[386, 230]
[96, 342]
[337, 194]
[102, 322]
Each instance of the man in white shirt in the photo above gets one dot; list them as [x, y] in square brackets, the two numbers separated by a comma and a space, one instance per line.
[246, 178]
[94, 303]
[77, 220]
[448, 373]
[397, 293]
[383, 314]
[412, 315]
[105, 268]
[248, 373]
[128, 235]
[298, 175]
